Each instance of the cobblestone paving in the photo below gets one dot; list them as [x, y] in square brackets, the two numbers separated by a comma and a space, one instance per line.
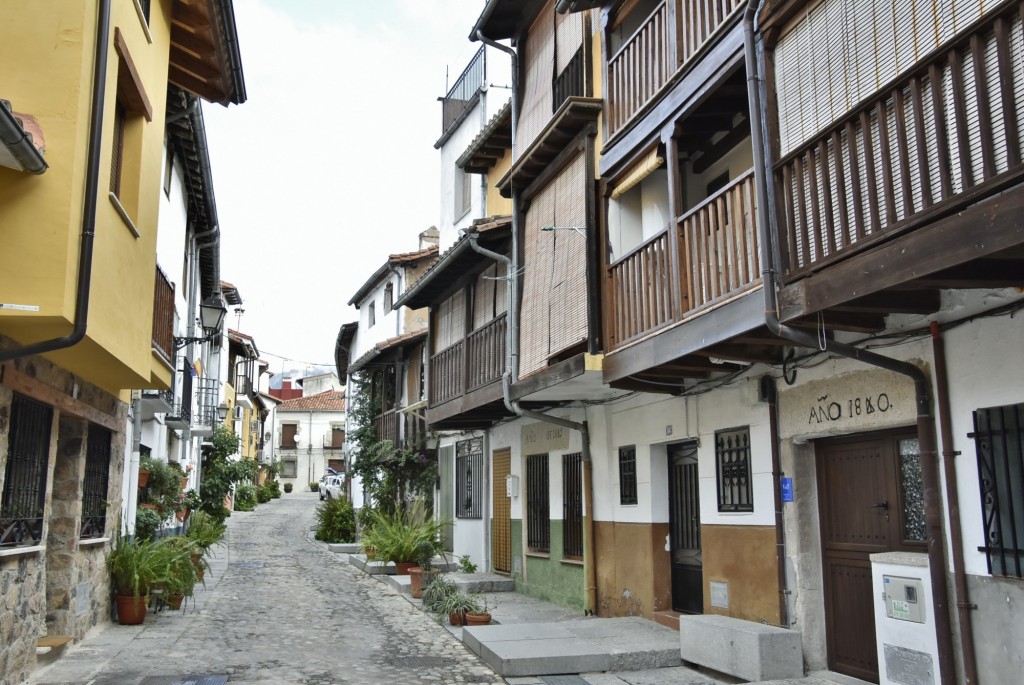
[282, 610]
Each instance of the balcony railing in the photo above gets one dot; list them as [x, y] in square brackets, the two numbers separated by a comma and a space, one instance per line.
[670, 38]
[163, 315]
[386, 426]
[715, 257]
[466, 86]
[453, 375]
[943, 135]
[207, 392]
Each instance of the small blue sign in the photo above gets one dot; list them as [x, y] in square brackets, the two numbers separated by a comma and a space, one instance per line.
[787, 489]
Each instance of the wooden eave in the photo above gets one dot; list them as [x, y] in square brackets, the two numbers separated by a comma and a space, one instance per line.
[479, 408]
[575, 114]
[390, 347]
[204, 55]
[490, 144]
[504, 19]
[981, 246]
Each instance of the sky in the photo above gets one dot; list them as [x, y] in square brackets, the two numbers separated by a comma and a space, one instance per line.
[329, 166]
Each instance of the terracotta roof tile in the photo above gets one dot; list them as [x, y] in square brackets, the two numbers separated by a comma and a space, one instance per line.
[328, 400]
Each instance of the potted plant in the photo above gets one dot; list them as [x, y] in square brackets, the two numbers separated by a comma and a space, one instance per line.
[134, 566]
[424, 568]
[436, 592]
[205, 531]
[314, 486]
[456, 606]
[182, 574]
[147, 523]
[481, 615]
[288, 488]
[187, 502]
[397, 537]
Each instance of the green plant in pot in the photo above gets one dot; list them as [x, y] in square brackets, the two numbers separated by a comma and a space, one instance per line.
[134, 566]
[147, 523]
[182, 574]
[436, 592]
[398, 536]
[456, 606]
[424, 568]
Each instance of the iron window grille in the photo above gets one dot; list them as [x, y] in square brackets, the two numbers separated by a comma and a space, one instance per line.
[469, 464]
[732, 461]
[572, 505]
[538, 504]
[21, 509]
[999, 442]
[627, 475]
[95, 484]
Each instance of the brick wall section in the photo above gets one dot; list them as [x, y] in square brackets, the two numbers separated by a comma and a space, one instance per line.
[39, 591]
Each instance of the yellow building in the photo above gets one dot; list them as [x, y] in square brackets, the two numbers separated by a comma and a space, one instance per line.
[78, 279]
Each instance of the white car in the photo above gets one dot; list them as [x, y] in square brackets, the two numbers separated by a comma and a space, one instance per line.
[332, 487]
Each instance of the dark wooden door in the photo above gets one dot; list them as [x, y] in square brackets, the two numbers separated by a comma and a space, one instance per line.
[870, 501]
[684, 529]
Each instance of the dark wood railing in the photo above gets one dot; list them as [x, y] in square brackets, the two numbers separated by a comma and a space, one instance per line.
[715, 257]
[487, 353]
[386, 426]
[670, 38]
[446, 374]
[943, 135]
[163, 315]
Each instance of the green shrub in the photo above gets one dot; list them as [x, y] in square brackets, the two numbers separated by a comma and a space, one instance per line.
[335, 521]
[466, 564]
[147, 523]
[274, 488]
[263, 494]
[205, 530]
[288, 487]
[245, 498]
[314, 486]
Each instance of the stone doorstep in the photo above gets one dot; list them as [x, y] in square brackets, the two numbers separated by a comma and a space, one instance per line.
[471, 583]
[744, 649]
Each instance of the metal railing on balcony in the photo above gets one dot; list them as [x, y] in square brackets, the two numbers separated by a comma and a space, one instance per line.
[714, 257]
[667, 40]
[163, 315]
[461, 94]
[943, 135]
[207, 392]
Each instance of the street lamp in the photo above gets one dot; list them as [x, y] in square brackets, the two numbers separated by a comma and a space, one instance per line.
[222, 412]
[211, 317]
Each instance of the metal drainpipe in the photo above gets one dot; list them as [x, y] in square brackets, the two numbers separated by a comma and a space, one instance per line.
[780, 532]
[963, 600]
[89, 210]
[925, 418]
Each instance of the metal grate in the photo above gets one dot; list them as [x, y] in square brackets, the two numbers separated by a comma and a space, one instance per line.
[469, 463]
[627, 475]
[466, 86]
[94, 486]
[999, 441]
[21, 509]
[572, 505]
[732, 457]
[538, 504]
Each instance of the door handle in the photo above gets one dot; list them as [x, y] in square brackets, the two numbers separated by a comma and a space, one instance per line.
[881, 505]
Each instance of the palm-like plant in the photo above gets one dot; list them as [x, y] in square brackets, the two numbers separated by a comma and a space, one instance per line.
[403, 536]
[205, 531]
[135, 565]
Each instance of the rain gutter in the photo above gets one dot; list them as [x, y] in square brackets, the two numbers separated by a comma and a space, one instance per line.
[92, 174]
[925, 416]
[20, 143]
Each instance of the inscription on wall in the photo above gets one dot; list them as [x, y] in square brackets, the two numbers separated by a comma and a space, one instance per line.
[847, 403]
[544, 437]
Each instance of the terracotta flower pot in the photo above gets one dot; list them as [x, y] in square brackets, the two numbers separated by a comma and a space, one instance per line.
[402, 567]
[143, 477]
[457, 618]
[477, 619]
[197, 561]
[182, 514]
[131, 611]
[174, 601]
[418, 579]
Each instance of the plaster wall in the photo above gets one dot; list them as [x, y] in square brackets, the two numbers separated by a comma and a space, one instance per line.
[310, 456]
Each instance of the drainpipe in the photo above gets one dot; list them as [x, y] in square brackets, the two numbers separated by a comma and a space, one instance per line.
[963, 600]
[89, 210]
[925, 419]
[768, 385]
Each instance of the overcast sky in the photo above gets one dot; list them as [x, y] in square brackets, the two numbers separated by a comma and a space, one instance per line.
[330, 165]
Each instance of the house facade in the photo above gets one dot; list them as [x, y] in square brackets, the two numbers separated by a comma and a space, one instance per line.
[84, 307]
[310, 437]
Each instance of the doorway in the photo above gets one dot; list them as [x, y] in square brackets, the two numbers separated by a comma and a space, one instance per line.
[684, 529]
[871, 500]
[501, 521]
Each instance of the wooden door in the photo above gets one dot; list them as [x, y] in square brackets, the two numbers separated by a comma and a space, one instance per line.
[684, 529]
[501, 518]
[870, 500]
[446, 474]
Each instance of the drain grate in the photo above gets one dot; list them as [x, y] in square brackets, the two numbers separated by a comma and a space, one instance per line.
[421, 661]
[185, 680]
[246, 566]
[562, 680]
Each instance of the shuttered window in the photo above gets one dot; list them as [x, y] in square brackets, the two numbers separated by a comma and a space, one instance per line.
[554, 309]
[490, 295]
[538, 59]
[450, 324]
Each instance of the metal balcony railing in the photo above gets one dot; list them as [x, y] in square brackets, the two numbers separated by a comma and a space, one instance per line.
[461, 94]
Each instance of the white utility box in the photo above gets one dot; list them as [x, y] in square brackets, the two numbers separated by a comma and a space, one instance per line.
[908, 652]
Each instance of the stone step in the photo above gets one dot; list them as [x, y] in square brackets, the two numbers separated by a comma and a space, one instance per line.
[668, 618]
[466, 582]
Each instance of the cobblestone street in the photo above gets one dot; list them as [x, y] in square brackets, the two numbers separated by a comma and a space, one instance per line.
[278, 608]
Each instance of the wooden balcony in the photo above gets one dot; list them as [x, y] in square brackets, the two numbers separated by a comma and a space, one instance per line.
[668, 40]
[943, 136]
[386, 426]
[465, 387]
[163, 316]
[708, 257]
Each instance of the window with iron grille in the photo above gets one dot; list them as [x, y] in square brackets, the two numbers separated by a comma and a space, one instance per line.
[999, 442]
[572, 505]
[469, 464]
[538, 504]
[289, 467]
[627, 474]
[28, 450]
[732, 460]
[94, 486]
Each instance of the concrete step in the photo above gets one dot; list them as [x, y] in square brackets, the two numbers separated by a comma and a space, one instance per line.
[668, 618]
[467, 582]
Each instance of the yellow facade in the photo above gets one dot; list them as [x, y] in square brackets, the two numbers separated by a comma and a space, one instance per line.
[41, 217]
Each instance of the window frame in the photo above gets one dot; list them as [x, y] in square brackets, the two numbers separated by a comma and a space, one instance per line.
[999, 444]
[733, 473]
[469, 459]
[627, 479]
[572, 506]
[538, 504]
[26, 431]
[96, 482]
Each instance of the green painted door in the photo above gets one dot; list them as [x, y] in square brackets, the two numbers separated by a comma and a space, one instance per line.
[446, 468]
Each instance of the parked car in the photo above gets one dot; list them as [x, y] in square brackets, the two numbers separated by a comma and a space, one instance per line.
[331, 487]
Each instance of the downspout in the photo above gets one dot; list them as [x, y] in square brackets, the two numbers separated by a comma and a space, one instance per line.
[963, 600]
[925, 418]
[768, 384]
[89, 210]
[512, 344]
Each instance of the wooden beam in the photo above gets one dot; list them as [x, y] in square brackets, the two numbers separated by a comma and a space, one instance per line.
[902, 301]
[196, 43]
[66, 404]
[714, 152]
[130, 90]
[747, 353]
[982, 273]
[549, 377]
[205, 69]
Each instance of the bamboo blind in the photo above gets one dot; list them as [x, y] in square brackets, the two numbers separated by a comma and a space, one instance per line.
[538, 59]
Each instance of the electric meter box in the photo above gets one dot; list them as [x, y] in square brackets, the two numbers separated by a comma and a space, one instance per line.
[904, 598]
[511, 486]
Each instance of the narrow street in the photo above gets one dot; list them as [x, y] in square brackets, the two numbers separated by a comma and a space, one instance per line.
[277, 608]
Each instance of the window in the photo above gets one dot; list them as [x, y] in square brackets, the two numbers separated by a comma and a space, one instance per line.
[117, 149]
[288, 432]
[732, 460]
[371, 315]
[389, 298]
[463, 193]
[627, 475]
[538, 504]
[28, 451]
[572, 505]
[638, 208]
[999, 442]
[131, 107]
[289, 467]
[94, 485]
[168, 170]
[337, 436]
[469, 463]
[912, 521]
